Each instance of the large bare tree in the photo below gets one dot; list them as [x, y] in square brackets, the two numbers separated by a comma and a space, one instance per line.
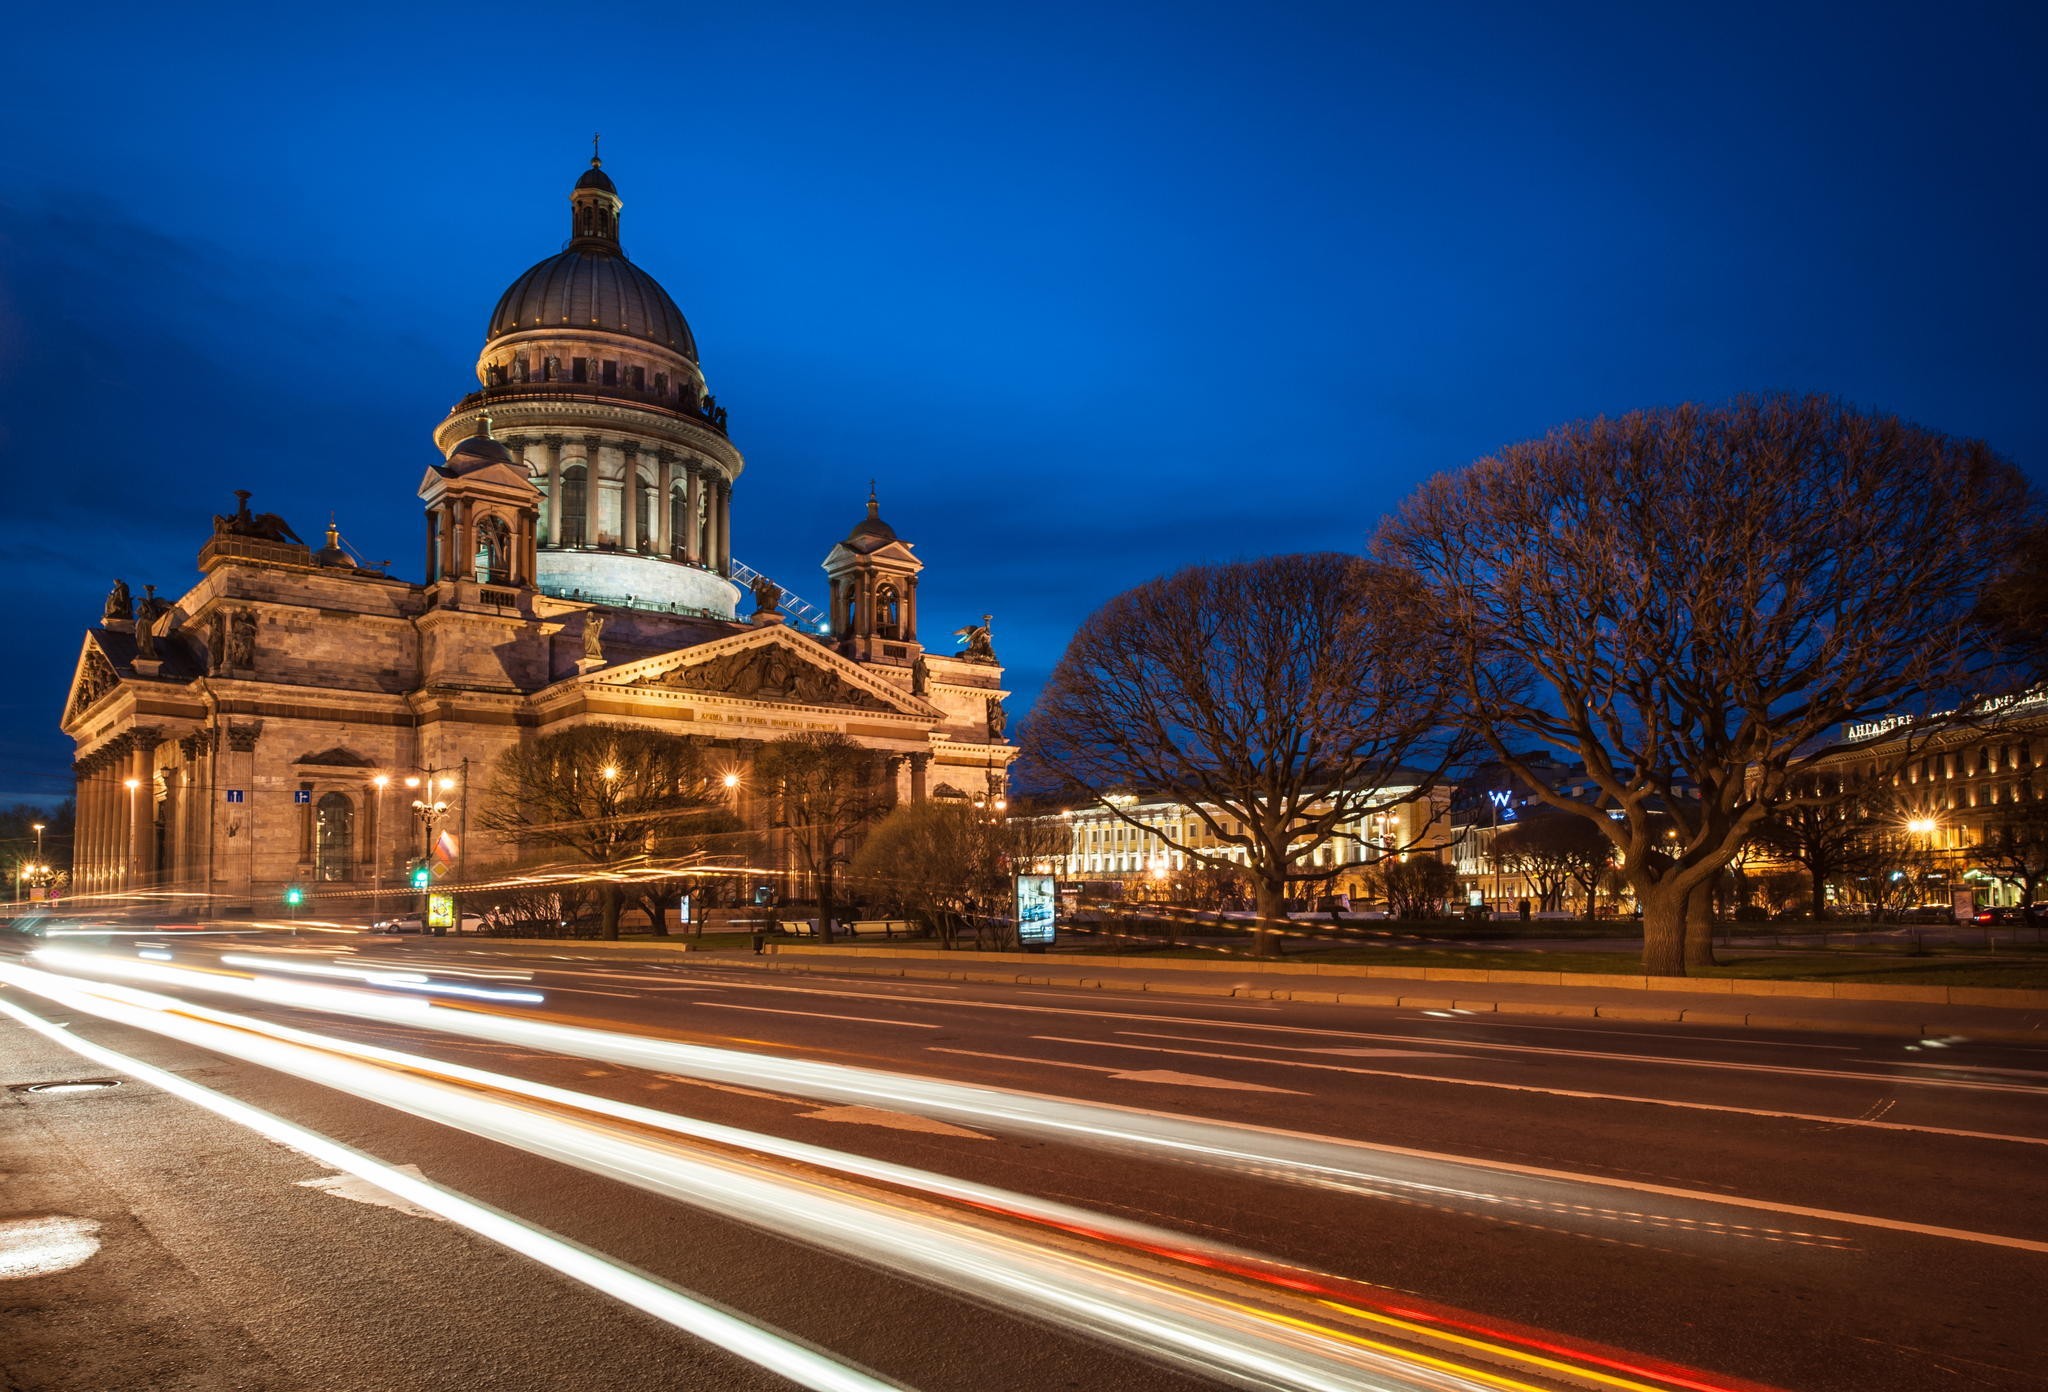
[1277, 700]
[1689, 600]
[617, 797]
[825, 790]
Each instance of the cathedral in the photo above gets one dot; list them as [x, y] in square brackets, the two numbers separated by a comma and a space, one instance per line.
[275, 724]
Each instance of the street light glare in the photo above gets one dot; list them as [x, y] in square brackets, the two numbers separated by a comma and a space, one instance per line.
[412, 782]
[446, 784]
[610, 771]
[131, 784]
[1920, 826]
[731, 780]
[381, 781]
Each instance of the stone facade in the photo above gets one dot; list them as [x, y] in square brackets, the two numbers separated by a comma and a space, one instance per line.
[277, 722]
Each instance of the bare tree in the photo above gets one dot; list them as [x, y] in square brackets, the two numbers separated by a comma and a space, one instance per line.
[1822, 830]
[1418, 887]
[1276, 700]
[1555, 851]
[617, 797]
[2015, 846]
[1687, 600]
[826, 790]
[946, 864]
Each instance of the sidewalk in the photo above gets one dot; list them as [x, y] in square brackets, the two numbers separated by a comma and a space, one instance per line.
[1903, 1012]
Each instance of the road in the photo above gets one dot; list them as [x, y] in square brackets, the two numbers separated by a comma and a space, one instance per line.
[693, 1173]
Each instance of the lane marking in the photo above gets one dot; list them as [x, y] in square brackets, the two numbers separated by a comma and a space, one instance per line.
[46, 1244]
[814, 1015]
[358, 1190]
[666, 1303]
[893, 1121]
[1577, 1093]
[1148, 1076]
[1431, 1040]
[1667, 1038]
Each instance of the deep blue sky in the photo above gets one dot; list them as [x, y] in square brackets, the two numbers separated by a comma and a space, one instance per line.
[1093, 291]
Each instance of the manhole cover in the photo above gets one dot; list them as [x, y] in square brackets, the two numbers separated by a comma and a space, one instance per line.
[73, 1085]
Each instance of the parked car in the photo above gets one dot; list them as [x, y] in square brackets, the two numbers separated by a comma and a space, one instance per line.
[412, 923]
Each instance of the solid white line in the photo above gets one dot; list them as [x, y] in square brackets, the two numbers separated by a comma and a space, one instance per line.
[813, 1015]
[664, 1302]
[1529, 1087]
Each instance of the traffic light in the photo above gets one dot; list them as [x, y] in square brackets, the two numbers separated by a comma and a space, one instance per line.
[294, 896]
[422, 875]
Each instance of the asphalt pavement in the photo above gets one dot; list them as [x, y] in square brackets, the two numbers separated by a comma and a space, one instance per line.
[958, 1184]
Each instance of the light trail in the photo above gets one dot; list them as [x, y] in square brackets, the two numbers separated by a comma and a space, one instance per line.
[1214, 1333]
[1494, 1189]
[667, 1303]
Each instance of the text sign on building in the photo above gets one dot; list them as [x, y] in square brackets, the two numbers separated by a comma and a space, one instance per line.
[440, 911]
[234, 794]
[1036, 897]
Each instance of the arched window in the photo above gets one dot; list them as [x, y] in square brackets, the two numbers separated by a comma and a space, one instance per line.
[643, 512]
[334, 838]
[679, 521]
[494, 551]
[888, 613]
[575, 504]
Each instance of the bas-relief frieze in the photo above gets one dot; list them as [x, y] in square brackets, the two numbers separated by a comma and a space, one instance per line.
[768, 674]
[95, 681]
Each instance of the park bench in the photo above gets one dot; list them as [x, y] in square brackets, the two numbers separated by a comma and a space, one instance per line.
[870, 927]
[798, 927]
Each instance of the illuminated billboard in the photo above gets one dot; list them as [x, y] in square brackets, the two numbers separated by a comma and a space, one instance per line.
[1037, 896]
[440, 911]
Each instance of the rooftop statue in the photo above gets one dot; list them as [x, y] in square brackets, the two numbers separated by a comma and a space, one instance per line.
[263, 526]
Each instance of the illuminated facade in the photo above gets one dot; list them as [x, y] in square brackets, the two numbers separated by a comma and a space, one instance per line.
[257, 731]
[1104, 846]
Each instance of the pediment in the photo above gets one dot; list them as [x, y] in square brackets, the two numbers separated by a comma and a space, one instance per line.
[337, 757]
[93, 678]
[776, 665]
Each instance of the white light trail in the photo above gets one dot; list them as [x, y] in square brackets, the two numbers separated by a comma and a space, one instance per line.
[1488, 1188]
[1216, 1336]
[666, 1303]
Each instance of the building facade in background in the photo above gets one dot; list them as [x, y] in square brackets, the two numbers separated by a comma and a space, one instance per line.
[266, 726]
[1105, 847]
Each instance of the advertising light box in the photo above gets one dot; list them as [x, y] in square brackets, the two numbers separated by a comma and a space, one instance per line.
[1037, 898]
[440, 911]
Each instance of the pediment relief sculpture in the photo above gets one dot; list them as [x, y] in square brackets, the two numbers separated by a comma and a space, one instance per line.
[95, 679]
[768, 674]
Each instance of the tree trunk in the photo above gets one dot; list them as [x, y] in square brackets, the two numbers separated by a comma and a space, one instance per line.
[1272, 911]
[1699, 927]
[608, 913]
[825, 903]
[657, 913]
[1663, 929]
[1820, 893]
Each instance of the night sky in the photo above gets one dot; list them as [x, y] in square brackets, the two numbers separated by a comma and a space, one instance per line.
[1091, 291]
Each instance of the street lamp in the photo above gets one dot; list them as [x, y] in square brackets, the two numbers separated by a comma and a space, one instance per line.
[1921, 826]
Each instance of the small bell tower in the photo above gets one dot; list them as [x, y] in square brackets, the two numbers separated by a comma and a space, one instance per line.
[483, 516]
[873, 580]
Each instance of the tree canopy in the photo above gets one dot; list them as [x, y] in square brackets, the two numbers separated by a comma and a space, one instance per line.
[1692, 602]
[1277, 700]
[612, 796]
